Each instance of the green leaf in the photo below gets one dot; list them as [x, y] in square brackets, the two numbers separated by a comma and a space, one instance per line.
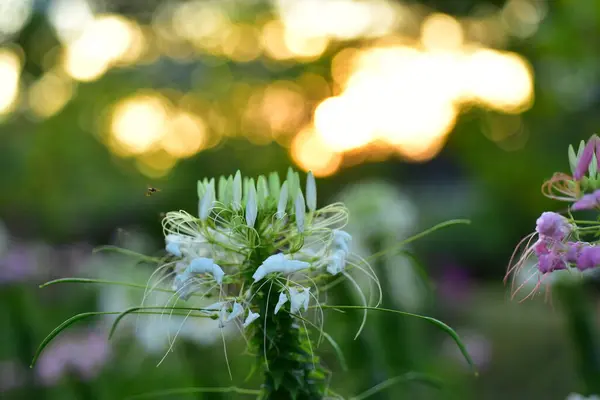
[56, 331]
[408, 377]
[338, 351]
[419, 236]
[62, 327]
[102, 281]
[131, 310]
[451, 332]
[194, 390]
[127, 253]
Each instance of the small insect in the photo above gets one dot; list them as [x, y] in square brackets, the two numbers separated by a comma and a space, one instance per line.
[151, 190]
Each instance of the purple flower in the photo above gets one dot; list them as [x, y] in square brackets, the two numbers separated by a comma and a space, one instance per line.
[18, 264]
[83, 353]
[587, 202]
[552, 225]
[591, 148]
[589, 257]
[541, 247]
[574, 251]
[552, 261]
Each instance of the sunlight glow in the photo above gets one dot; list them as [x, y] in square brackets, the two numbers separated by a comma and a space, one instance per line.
[10, 72]
[409, 96]
[49, 94]
[139, 123]
[311, 153]
[186, 135]
[107, 40]
[149, 127]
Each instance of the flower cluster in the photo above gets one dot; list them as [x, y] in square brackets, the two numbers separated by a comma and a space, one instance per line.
[263, 250]
[560, 242]
[250, 232]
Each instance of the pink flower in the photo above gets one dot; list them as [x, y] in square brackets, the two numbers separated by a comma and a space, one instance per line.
[553, 226]
[588, 258]
[591, 148]
[587, 202]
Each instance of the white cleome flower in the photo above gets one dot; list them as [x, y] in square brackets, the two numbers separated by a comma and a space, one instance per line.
[251, 233]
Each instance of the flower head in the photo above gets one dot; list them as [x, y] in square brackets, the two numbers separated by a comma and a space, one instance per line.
[561, 243]
[254, 233]
[552, 225]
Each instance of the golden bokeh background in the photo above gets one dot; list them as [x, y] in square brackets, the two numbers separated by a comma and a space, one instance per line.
[398, 79]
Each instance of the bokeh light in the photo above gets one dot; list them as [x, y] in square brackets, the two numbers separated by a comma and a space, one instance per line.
[140, 122]
[106, 41]
[14, 14]
[311, 153]
[50, 93]
[409, 95]
[400, 75]
[186, 135]
[10, 72]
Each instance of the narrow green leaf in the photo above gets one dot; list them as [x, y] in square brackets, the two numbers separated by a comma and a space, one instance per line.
[62, 327]
[136, 309]
[451, 332]
[56, 331]
[408, 377]
[194, 390]
[102, 281]
[419, 236]
[338, 351]
[108, 282]
[126, 252]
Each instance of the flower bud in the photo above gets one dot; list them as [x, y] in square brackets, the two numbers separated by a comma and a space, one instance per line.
[237, 191]
[251, 207]
[311, 192]
[283, 198]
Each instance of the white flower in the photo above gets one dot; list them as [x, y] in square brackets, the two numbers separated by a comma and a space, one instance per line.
[341, 240]
[250, 318]
[282, 300]
[278, 263]
[203, 265]
[299, 299]
[336, 263]
[173, 243]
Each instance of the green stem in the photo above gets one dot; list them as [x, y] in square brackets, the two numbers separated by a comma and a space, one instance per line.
[291, 370]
